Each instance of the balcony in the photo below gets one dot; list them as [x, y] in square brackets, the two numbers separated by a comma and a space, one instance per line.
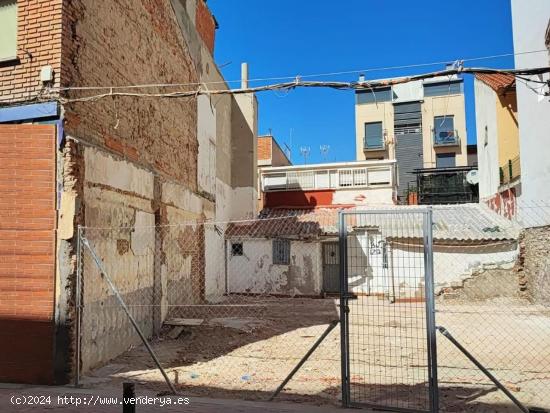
[374, 144]
[368, 174]
[446, 138]
[510, 171]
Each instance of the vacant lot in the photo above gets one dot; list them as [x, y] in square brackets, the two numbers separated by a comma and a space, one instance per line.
[248, 350]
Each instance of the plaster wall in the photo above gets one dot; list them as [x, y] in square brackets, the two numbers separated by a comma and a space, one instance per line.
[254, 272]
[530, 22]
[487, 139]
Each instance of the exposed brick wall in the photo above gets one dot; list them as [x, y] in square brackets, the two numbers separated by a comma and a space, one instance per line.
[124, 42]
[534, 265]
[264, 148]
[27, 258]
[206, 25]
[38, 44]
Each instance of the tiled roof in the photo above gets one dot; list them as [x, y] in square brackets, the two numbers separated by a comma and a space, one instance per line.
[499, 82]
[467, 222]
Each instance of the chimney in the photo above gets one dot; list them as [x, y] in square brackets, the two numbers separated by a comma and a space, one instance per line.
[361, 78]
[244, 75]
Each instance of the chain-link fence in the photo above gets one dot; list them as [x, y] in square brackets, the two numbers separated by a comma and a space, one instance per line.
[493, 295]
[231, 308]
[228, 308]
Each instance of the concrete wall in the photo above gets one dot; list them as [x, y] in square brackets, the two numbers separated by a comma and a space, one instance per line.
[254, 271]
[487, 146]
[278, 155]
[530, 22]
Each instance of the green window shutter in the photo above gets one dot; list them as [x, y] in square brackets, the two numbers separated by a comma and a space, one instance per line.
[8, 29]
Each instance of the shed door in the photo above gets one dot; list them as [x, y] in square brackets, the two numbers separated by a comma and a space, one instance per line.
[331, 267]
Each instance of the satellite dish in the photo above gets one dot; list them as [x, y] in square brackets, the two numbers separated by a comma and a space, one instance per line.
[472, 177]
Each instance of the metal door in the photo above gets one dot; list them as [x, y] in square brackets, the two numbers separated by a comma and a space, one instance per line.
[331, 267]
[387, 310]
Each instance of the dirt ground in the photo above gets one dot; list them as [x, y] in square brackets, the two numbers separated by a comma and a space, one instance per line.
[248, 353]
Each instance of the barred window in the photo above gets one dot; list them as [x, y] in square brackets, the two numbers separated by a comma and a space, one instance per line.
[281, 251]
[237, 249]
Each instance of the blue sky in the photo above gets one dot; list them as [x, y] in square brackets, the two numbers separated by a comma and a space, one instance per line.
[290, 37]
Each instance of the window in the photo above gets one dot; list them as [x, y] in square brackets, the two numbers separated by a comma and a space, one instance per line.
[237, 249]
[442, 89]
[445, 160]
[486, 136]
[374, 96]
[281, 251]
[374, 135]
[444, 130]
[8, 29]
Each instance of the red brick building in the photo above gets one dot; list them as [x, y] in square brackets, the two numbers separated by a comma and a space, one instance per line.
[65, 163]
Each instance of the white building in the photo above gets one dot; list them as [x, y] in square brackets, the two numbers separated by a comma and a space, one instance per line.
[297, 252]
[329, 184]
[531, 31]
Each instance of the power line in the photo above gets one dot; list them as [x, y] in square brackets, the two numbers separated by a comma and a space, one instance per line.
[265, 79]
[361, 85]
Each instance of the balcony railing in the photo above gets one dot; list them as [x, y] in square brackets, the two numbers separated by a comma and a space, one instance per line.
[446, 138]
[374, 144]
[318, 179]
[510, 171]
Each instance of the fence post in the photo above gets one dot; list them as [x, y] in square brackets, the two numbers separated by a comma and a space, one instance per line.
[78, 301]
[344, 353]
[430, 310]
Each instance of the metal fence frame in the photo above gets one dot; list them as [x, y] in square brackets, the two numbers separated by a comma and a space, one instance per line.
[430, 307]
[431, 329]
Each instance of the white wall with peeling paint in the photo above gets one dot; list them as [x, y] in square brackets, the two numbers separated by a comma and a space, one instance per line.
[254, 272]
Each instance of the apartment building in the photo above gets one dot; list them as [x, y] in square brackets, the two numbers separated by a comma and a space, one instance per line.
[420, 124]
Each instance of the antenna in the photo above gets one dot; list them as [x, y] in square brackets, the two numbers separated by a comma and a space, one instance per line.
[324, 151]
[305, 151]
[287, 151]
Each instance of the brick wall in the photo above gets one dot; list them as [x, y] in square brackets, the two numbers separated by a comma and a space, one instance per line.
[206, 25]
[124, 42]
[27, 242]
[264, 148]
[38, 45]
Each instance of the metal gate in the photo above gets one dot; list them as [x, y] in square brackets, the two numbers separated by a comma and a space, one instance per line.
[387, 310]
[331, 267]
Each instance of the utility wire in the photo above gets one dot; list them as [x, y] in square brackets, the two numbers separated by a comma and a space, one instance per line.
[285, 86]
[265, 79]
